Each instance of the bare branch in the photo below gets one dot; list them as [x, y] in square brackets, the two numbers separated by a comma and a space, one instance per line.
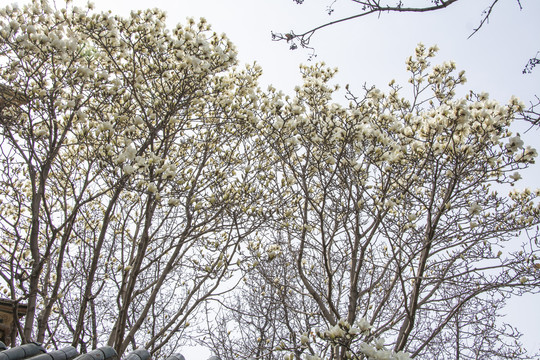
[369, 7]
[485, 17]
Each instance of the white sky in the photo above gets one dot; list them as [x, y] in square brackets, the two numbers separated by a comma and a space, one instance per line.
[373, 50]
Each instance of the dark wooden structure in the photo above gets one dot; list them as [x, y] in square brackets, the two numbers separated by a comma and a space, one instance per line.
[9, 310]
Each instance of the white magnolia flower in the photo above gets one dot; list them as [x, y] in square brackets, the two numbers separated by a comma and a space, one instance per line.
[363, 325]
[515, 176]
[514, 143]
[335, 332]
[368, 350]
[278, 124]
[130, 152]
[474, 209]
[138, 120]
[40, 132]
[120, 158]
[128, 169]
[106, 126]
[174, 202]
[354, 331]
[379, 343]
[273, 251]
[152, 188]
[330, 160]
[384, 355]
[169, 171]
[528, 155]
[401, 356]
[304, 339]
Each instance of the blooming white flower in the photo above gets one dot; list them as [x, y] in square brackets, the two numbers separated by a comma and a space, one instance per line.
[278, 124]
[384, 355]
[335, 332]
[152, 188]
[474, 209]
[273, 251]
[363, 325]
[169, 171]
[106, 126]
[128, 169]
[531, 152]
[304, 339]
[401, 356]
[515, 176]
[379, 343]
[174, 201]
[368, 350]
[528, 155]
[330, 160]
[130, 152]
[138, 120]
[296, 110]
[120, 158]
[354, 331]
[141, 162]
[40, 132]
[514, 143]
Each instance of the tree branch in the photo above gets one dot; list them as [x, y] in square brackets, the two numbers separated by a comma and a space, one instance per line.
[369, 7]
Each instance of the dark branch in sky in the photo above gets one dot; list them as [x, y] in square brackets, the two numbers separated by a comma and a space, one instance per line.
[368, 7]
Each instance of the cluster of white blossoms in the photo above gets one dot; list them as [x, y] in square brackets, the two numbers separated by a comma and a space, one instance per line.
[125, 110]
[345, 334]
[514, 144]
[475, 209]
[386, 156]
[137, 114]
[377, 128]
[378, 352]
[386, 131]
[273, 251]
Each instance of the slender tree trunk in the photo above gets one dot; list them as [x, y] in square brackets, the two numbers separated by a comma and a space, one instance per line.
[116, 338]
[37, 264]
[93, 267]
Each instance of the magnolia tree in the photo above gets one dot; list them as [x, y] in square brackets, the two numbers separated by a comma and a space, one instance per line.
[391, 238]
[142, 171]
[124, 193]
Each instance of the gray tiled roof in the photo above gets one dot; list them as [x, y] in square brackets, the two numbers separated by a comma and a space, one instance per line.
[34, 351]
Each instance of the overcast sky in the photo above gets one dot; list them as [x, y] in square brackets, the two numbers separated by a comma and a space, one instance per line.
[372, 50]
